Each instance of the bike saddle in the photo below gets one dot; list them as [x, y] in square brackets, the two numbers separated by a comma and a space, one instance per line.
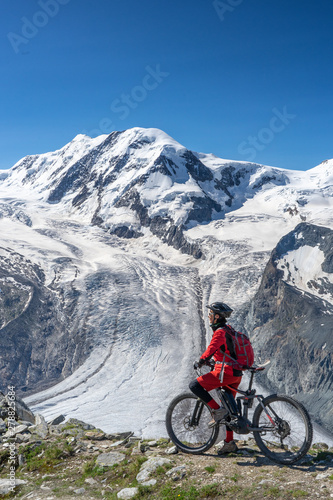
[259, 368]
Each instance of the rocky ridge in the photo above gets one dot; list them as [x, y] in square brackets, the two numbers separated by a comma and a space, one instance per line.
[40, 460]
[291, 319]
[43, 325]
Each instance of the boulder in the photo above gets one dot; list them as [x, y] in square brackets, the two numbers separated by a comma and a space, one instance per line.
[127, 493]
[3, 426]
[109, 459]
[23, 438]
[16, 429]
[7, 485]
[22, 411]
[91, 481]
[40, 428]
[79, 491]
[79, 423]
[177, 473]
[150, 466]
[95, 435]
[151, 482]
[172, 451]
[57, 420]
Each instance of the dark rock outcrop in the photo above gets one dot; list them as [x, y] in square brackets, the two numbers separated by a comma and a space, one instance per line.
[163, 227]
[293, 328]
[39, 345]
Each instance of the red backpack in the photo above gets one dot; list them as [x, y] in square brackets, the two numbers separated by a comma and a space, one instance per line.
[243, 349]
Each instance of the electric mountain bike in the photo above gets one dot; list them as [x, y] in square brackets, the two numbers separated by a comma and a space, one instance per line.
[281, 426]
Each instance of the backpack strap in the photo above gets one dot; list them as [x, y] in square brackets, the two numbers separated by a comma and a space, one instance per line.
[230, 345]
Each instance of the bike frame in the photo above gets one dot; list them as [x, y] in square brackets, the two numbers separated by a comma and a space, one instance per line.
[235, 410]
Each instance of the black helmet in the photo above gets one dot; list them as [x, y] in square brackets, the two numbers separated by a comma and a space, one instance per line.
[221, 309]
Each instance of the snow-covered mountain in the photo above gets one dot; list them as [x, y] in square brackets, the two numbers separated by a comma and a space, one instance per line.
[110, 249]
[142, 178]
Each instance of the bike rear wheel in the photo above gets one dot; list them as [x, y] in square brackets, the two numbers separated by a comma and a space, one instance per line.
[187, 420]
[287, 429]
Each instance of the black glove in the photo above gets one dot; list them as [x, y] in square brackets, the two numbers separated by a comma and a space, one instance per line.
[199, 364]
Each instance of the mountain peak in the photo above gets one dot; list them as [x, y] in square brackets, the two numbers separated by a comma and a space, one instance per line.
[142, 177]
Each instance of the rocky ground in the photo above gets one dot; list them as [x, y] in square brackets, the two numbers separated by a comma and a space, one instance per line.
[40, 460]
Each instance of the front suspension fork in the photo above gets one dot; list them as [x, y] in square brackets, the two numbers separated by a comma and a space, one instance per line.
[195, 417]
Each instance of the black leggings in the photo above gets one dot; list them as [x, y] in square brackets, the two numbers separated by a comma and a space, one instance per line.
[199, 391]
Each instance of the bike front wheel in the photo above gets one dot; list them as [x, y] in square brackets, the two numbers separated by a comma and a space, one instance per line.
[286, 433]
[187, 421]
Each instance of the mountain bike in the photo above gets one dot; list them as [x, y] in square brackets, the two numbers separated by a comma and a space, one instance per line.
[281, 426]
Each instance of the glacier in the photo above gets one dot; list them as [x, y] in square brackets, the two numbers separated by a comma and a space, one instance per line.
[131, 236]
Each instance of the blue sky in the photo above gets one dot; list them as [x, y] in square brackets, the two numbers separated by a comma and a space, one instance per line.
[243, 79]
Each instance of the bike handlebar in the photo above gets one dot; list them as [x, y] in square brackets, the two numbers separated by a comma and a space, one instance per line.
[208, 362]
[211, 363]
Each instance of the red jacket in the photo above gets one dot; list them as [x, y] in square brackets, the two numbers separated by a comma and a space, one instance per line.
[220, 344]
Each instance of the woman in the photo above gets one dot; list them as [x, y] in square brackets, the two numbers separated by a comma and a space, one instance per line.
[221, 348]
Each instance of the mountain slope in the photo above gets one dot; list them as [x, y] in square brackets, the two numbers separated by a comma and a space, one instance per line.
[291, 319]
[112, 247]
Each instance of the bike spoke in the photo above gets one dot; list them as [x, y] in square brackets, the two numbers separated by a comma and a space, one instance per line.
[187, 424]
[286, 429]
[185, 427]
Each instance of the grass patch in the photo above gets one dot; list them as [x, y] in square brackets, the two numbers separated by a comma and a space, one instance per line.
[66, 427]
[210, 490]
[4, 456]
[90, 469]
[145, 492]
[118, 476]
[162, 469]
[163, 443]
[42, 457]
[235, 488]
[273, 491]
[297, 493]
[248, 492]
[280, 473]
[179, 493]
[210, 469]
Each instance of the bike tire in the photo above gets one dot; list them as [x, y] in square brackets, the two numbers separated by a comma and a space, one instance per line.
[194, 439]
[290, 436]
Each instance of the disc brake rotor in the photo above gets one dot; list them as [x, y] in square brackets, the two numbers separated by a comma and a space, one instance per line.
[187, 425]
[283, 429]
